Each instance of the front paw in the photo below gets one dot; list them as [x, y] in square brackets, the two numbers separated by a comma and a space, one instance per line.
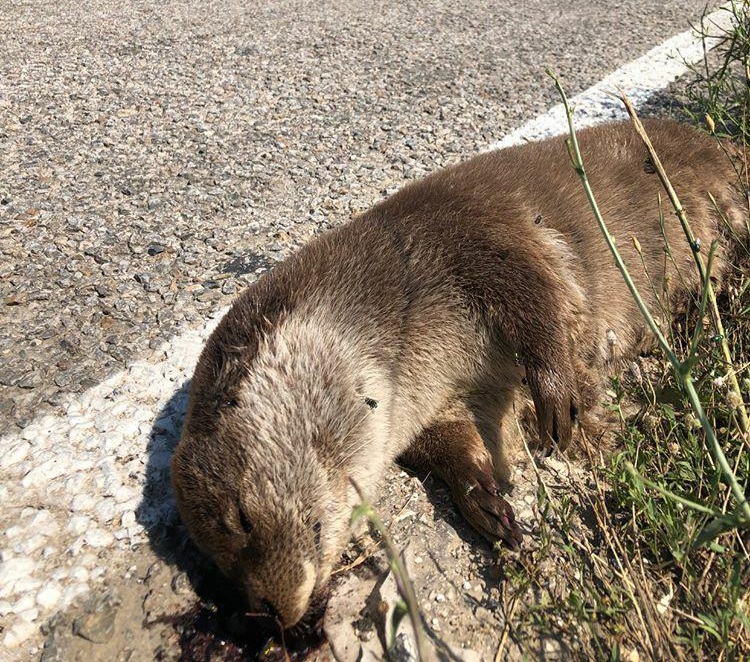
[555, 405]
[478, 497]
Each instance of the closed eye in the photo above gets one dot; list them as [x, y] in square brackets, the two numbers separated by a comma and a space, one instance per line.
[245, 523]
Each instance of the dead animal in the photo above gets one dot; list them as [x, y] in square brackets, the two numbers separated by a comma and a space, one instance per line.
[409, 331]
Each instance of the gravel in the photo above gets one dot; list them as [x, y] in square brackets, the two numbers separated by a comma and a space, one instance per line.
[156, 156]
[79, 493]
[97, 624]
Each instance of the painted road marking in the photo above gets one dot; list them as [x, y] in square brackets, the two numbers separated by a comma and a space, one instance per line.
[639, 79]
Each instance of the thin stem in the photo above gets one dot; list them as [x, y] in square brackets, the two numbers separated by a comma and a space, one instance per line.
[575, 156]
[403, 581]
[693, 505]
[695, 248]
[682, 372]
[693, 352]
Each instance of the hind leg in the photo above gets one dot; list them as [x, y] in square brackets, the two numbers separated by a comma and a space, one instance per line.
[455, 452]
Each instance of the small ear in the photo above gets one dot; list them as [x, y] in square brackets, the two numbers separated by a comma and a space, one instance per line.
[372, 404]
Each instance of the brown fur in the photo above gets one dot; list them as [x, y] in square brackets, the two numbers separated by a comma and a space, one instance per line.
[437, 304]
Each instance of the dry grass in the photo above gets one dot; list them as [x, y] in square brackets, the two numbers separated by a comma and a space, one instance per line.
[649, 550]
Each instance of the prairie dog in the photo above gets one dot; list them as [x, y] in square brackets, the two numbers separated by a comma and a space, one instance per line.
[408, 332]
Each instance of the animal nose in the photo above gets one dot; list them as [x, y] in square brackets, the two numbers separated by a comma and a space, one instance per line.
[268, 609]
[285, 615]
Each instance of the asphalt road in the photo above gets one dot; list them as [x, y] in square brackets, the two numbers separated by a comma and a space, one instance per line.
[156, 155]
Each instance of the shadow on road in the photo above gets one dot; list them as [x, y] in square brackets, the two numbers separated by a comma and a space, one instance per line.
[215, 622]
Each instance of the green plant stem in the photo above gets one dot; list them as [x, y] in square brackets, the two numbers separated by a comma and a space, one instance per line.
[693, 352]
[693, 505]
[682, 373]
[695, 249]
[717, 451]
[403, 581]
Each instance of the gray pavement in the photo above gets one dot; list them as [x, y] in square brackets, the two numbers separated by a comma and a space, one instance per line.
[155, 156]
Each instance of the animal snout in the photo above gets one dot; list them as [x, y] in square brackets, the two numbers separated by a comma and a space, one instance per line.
[280, 589]
[284, 612]
[267, 609]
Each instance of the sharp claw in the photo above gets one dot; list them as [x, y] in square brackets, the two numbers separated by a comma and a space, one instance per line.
[513, 539]
[480, 498]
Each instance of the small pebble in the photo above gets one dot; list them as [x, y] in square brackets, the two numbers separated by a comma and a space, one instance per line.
[49, 596]
[98, 538]
[20, 631]
[14, 569]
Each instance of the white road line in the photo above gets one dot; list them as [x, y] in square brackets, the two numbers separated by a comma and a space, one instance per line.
[71, 485]
[639, 79]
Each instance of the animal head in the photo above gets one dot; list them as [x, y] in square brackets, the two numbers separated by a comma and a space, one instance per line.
[272, 521]
[262, 472]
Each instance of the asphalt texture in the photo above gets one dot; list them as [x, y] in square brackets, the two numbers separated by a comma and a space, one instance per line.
[155, 156]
